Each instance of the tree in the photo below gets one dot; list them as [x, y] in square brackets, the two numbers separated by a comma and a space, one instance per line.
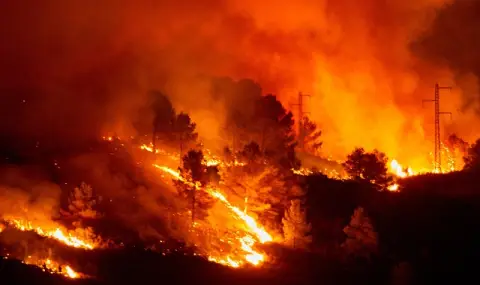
[456, 142]
[311, 136]
[296, 229]
[368, 166]
[362, 240]
[261, 119]
[195, 171]
[457, 148]
[472, 157]
[184, 131]
[164, 116]
[273, 125]
[81, 202]
[239, 99]
[251, 155]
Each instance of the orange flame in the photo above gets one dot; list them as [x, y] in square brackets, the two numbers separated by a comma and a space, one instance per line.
[247, 242]
[55, 233]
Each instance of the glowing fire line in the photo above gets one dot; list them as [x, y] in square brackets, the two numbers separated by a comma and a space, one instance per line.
[57, 234]
[247, 242]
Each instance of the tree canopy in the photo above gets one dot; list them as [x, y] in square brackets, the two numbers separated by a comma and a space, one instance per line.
[472, 157]
[368, 166]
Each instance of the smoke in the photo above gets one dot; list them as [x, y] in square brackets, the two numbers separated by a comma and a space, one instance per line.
[26, 197]
[72, 71]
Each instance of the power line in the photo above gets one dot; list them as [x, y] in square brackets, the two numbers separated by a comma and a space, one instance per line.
[438, 142]
[301, 113]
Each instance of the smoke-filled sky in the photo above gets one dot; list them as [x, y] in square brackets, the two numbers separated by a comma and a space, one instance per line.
[85, 67]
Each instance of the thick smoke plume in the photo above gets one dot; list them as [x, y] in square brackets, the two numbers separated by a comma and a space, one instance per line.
[73, 70]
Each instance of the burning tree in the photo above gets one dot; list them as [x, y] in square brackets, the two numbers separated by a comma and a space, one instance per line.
[368, 166]
[296, 229]
[195, 171]
[472, 157]
[361, 237]
[81, 202]
[254, 188]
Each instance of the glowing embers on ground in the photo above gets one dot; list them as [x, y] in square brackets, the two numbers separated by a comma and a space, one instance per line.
[393, 188]
[209, 158]
[330, 173]
[247, 240]
[56, 233]
[51, 266]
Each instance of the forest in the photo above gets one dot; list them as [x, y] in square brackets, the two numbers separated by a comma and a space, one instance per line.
[360, 220]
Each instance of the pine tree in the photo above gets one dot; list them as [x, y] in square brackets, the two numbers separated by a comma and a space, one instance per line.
[368, 166]
[196, 172]
[296, 229]
[312, 143]
[361, 237]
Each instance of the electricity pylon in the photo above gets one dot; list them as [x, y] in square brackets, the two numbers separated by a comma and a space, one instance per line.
[438, 142]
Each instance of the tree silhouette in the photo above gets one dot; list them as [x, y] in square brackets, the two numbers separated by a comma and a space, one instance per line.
[184, 131]
[368, 166]
[164, 116]
[362, 240]
[456, 142]
[472, 157]
[196, 172]
[239, 99]
[312, 143]
[273, 124]
[252, 156]
[296, 229]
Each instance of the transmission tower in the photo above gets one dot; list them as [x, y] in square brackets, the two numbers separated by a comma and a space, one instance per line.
[438, 142]
[301, 131]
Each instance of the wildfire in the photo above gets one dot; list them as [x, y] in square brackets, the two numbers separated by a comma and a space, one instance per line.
[330, 173]
[399, 170]
[55, 233]
[209, 159]
[247, 242]
[261, 234]
[51, 266]
[393, 187]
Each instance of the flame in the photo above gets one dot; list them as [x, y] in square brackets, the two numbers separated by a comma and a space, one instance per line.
[330, 173]
[70, 272]
[247, 242]
[261, 234]
[56, 233]
[52, 266]
[393, 187]
[398, 170]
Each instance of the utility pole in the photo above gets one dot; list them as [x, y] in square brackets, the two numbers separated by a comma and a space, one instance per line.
[438, 142]
[301, 131]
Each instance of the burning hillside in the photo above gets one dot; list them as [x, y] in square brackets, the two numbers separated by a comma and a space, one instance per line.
[120, 130]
